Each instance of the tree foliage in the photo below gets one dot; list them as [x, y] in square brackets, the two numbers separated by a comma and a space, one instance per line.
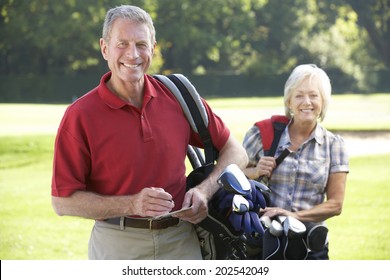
[374, 17]
[253, 37]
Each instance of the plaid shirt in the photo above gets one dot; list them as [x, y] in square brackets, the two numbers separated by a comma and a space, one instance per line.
[299, 182]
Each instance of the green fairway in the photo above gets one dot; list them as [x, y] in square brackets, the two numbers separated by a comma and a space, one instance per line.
[29, 229]
[361, 231]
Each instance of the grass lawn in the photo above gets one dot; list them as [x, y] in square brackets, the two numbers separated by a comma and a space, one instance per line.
[29, 229]
[361, 232]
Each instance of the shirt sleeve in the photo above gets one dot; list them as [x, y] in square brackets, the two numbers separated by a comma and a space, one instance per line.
[253, 145]
[71, 162]
[339, 156]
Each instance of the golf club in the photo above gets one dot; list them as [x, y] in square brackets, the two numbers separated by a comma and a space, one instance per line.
[276, 228]
[293, 228]
[262, 187]
[239, 204]
[266, 221]
[234, 181]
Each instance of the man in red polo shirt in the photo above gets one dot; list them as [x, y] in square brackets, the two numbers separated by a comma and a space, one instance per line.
[120, 154]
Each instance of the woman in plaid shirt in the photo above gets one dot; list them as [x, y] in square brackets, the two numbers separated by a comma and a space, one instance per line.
[309, 184]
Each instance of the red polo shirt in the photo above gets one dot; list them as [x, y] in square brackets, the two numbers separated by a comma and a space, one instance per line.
[107, 146]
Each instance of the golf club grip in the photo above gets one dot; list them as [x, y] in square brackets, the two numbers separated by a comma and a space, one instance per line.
[282, 156]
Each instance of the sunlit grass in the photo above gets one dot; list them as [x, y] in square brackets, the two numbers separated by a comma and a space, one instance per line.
[29, 228]
[360, 231]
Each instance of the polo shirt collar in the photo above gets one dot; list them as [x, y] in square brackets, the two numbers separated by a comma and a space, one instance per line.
[114, 101]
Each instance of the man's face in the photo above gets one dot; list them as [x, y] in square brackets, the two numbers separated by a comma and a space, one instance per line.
[129, 50]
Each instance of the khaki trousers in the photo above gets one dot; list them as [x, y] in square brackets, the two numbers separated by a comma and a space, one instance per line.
[110, 242]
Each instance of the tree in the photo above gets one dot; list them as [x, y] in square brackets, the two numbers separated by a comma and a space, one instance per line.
[54, 37]
[374, 16]
[255, 37]
[204, 36]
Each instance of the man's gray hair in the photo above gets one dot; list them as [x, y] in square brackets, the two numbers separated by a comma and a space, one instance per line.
[129, 12]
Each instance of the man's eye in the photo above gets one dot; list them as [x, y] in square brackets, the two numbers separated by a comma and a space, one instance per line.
[121, 45]
[142, 45]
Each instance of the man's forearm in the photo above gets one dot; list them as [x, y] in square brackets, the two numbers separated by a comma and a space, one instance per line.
[92, 206]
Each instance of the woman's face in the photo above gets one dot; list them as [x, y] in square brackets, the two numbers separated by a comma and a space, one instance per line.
[306, 101]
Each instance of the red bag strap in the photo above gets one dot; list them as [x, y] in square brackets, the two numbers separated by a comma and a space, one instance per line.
[267, 129]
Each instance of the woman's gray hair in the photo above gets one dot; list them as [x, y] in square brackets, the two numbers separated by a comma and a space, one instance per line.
[129, 12]
[302, 72]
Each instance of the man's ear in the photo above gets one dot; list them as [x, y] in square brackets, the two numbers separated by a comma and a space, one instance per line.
[103, 48]
[154, 47]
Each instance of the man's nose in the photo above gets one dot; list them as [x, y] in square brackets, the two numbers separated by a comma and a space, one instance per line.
[132, 52]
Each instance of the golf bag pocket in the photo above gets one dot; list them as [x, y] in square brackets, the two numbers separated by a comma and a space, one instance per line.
[206, 242]
[197, 176]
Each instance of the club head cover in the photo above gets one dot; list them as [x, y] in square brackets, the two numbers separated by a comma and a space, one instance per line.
[272, 249]
[258, 199]
[294, 248]
[265, 221]
[234, 181]
[246, 224]
[262, 187]
[276, 229]
[316, 236]
[236, 221]
[239, 204]
[280, 219]
[293, 228]
[257, 227]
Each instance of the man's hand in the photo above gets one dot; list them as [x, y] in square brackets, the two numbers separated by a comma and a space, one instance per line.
[198, 200]
[151, 202]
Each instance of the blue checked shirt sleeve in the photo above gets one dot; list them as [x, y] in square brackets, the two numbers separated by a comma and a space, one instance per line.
[339, 156]
[253, 145]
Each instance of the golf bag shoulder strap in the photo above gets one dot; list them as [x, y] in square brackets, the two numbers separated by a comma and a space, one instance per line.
[193, 109]
[271, 130]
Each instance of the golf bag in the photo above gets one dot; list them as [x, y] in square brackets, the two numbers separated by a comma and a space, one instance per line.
[218, 237]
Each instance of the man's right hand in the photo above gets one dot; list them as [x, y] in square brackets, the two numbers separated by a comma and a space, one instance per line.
[151, 202]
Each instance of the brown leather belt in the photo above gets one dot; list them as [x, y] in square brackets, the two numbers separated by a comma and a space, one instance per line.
[152, 224]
